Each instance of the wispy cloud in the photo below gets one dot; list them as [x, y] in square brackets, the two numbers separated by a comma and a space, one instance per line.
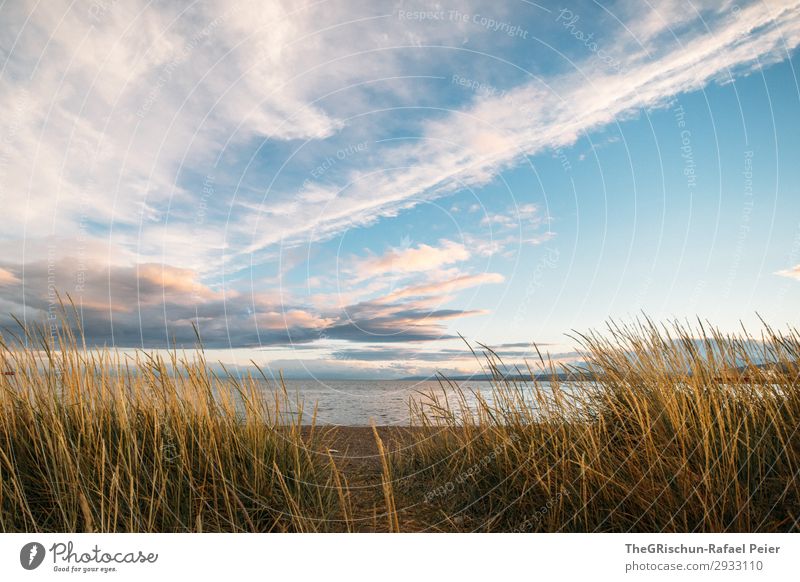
[165, 89]
[470, 147]
[450, 285]
[793, 273]
[111, 104]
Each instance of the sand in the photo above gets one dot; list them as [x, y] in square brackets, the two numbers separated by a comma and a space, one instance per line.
[355, 452]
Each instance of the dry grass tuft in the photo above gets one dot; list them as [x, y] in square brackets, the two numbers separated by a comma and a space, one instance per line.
[92, 441]
[660, 432]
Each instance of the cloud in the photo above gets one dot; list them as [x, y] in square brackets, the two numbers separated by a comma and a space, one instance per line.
[650, 24]
[458, 283]
[793, 272]
[115, 113]
[471, 146]
[7, 277]
[525, 214]
[518, 351]
[109, 105]
[522, 225]
[129, 100]
[404, 261]
[149, 305]
[157, 306]
[381, 354]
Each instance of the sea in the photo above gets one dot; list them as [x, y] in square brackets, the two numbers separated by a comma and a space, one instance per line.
[382, 402]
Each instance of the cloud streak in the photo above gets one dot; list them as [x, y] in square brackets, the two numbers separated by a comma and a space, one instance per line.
[793, 273]
[470, 147]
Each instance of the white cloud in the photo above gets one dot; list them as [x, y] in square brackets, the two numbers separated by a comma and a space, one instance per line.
[411, 259]
[470, 147]
[109, 102]
[108, 106]
[793, 273]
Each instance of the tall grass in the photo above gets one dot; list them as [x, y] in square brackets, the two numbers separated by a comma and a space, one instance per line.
[659, 431]
[92, 440]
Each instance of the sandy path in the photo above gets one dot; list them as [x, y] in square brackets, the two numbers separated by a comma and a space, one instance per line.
[355, 451]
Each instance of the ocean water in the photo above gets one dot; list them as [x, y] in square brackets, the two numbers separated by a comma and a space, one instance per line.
[362, 402]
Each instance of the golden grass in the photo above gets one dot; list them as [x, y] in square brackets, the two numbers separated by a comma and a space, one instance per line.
[92, 442]
[667, 433]
[660, 432]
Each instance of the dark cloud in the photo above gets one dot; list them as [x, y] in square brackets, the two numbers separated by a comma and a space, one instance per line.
[375, 354]
[368, 331]
[378, 355]
[155, 306]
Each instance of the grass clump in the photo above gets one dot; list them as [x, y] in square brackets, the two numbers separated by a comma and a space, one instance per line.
[91, 440]
[658, 431]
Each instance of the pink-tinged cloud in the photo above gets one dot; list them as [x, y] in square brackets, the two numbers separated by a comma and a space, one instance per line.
[448, 286]
[174, 280]
[419, 259]
[793, 273]
[150, 305]
[293, 318]
[7, 277]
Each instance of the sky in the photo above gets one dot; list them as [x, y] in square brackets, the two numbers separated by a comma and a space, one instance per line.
[355, 189]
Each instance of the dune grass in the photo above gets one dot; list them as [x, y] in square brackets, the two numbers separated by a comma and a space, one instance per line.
[91, 440]
[658, 432]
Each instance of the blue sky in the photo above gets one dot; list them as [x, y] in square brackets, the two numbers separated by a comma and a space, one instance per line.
[340, 189]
